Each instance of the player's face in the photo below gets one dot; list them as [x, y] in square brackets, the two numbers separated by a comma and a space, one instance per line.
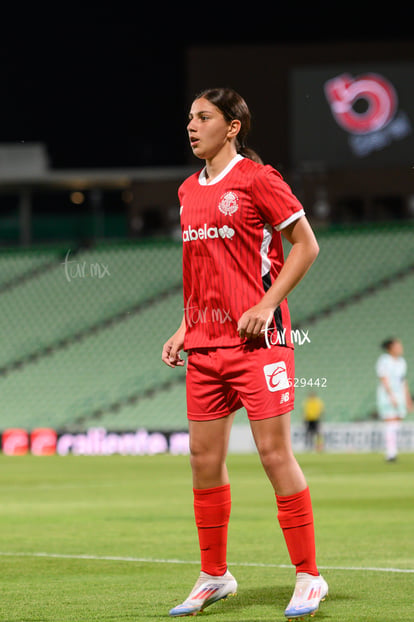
[397, 348]
[207, 129]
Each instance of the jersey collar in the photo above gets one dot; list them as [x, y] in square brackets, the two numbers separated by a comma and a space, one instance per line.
[202, 180]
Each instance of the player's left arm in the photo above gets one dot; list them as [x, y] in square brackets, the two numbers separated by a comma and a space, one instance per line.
[303, 253]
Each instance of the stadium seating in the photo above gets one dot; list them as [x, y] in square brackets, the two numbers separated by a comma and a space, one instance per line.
[358, 293]
[83, 332]
[351, 261]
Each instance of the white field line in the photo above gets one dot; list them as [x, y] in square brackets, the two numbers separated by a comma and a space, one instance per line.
[146, 560]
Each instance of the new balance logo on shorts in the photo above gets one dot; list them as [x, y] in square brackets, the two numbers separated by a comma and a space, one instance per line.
[285, 397]
[276, 376]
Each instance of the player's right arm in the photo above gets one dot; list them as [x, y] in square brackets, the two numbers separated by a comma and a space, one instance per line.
[172, 347]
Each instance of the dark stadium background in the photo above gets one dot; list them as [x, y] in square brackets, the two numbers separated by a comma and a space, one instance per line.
[106, 86]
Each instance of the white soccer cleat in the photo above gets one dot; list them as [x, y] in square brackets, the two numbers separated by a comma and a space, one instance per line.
[309, 591]
[207, 590]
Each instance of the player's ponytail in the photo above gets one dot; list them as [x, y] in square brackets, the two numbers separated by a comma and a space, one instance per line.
[233, 106]
[249, 153]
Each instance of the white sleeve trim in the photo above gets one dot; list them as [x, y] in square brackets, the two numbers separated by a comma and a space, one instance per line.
[289, 220]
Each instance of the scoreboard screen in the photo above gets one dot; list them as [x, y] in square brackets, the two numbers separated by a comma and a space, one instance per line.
[352, 115]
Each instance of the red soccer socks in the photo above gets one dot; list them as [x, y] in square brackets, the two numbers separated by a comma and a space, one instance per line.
[212, 514]
[212, 508]
[296, 520]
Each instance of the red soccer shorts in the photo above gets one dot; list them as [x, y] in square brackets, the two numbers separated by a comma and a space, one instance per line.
[222, 380]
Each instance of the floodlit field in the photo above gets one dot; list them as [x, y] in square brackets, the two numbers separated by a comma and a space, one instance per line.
[113, 538]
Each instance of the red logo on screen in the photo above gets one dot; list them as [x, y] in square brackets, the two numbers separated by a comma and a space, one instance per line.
[366, 107]
[363, 104]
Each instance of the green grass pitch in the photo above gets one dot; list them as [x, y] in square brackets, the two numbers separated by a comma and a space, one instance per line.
[113, 539]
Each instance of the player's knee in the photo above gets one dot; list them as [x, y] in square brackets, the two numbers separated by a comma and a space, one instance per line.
[205, 460]
[271, 456]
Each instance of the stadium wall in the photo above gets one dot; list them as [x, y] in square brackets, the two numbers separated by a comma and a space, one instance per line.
[336, 438]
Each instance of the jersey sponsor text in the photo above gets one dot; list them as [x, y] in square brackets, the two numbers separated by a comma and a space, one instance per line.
[207, 233]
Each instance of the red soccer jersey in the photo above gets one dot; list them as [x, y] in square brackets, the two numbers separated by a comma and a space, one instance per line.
[232, 249]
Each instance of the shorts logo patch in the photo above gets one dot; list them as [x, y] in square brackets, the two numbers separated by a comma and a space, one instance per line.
[276, 376]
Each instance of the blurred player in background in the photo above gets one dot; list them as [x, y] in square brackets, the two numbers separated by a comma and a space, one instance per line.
[393, 395]
[313, 410]
[236, 332]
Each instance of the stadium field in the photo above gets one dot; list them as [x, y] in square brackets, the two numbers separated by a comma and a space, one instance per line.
[113, 538]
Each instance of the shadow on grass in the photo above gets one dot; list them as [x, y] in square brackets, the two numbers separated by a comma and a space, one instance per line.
[246, 606]
[275, 597]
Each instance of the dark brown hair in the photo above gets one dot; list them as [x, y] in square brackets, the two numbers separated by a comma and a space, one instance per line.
[232, 106]
[386, 345]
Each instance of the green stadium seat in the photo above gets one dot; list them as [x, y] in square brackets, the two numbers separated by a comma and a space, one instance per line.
[82, 341]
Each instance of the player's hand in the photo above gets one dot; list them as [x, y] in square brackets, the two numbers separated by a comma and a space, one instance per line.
[394, 401]
[253, 322]
[171, 349]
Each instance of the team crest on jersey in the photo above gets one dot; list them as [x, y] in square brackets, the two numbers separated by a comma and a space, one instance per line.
[229, 203]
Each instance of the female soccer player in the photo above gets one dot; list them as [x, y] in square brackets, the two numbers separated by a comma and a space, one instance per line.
[393, 395]
[236, 332]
